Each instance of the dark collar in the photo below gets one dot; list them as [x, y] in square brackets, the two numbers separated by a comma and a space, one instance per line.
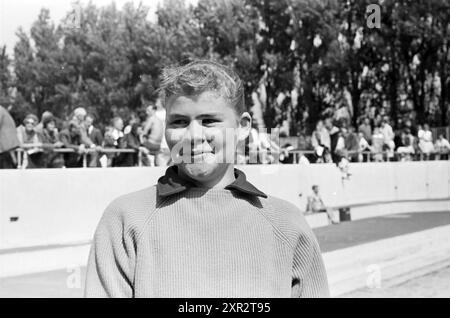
[171, 183]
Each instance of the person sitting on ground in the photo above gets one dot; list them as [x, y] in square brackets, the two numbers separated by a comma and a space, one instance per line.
[315, 204]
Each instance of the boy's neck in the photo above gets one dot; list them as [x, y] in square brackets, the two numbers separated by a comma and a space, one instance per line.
[224, 179]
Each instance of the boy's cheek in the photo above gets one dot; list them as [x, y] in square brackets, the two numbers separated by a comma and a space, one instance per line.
[174, 136]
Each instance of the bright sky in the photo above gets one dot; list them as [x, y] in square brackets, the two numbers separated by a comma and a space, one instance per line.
[16, 13]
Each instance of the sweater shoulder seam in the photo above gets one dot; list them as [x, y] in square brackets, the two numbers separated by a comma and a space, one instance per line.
[149, 218]
[282, 236]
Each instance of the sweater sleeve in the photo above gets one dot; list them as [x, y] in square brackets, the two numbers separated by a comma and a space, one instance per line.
[309, 278]
[110, 270]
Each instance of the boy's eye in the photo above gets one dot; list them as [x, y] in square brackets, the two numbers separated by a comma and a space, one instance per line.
[179, 122]
[209, 121]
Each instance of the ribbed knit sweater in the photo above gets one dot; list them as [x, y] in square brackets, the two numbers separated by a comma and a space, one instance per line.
[176, 240]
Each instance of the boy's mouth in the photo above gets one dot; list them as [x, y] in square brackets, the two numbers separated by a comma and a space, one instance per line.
[200, 152]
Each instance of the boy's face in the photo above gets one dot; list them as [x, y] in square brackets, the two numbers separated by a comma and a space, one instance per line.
[202, 133]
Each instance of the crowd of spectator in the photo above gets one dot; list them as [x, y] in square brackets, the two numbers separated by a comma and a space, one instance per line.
[140, 141]
[45, 144]
[337, 141]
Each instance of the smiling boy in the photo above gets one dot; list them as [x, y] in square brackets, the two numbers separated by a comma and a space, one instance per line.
[204, 230]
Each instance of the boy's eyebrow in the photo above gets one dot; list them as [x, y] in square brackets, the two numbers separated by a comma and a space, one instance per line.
[202, 115]
[211, 114]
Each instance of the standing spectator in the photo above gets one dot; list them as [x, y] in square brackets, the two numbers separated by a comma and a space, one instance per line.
[442, 147]
[50, 139]
[132, 140]
[79, 117]
[134, 118]
[115, 139]
[163, 157]
[426, 141]
[388, 136]
[40, 127]
[8, 140]
[31, 141]
[95, 136]
[340, 150]
[321, 143]
[366, 129]
[316, 205]
[71, 138]
[153, 132]
[334, 137]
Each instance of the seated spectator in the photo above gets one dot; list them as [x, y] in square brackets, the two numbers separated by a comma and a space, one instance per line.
[315, 204]
[71, 138]
[340, 150]
[442, 147]
[426, 141]
[377, 145]
[132, 140]
[363, 146]
[31, 142]
[406, 150]
[50, 139]
[366, 129]
[351, 144]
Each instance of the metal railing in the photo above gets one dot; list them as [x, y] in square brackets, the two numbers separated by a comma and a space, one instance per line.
[367, 156]
[386, 156]
[22, 152]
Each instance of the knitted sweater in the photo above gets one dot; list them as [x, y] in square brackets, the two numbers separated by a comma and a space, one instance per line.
[176, 240]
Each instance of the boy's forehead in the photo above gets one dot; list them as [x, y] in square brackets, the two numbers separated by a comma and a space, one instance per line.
[202, 103]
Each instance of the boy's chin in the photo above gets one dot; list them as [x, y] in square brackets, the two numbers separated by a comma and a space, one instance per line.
[201, 172]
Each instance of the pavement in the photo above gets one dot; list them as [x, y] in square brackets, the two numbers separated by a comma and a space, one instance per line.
[69, 283]
[432, 285]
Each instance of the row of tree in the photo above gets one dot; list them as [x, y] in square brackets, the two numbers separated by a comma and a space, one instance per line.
[298, 58]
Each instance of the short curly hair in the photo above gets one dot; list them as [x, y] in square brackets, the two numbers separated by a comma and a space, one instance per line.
[202, 76]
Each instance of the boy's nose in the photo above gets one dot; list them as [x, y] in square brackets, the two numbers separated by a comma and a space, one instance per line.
[196, 132]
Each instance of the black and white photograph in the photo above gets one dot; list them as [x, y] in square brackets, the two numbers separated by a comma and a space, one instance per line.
[224, 149]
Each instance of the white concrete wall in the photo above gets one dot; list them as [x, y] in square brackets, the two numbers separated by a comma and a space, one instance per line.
[64, 205]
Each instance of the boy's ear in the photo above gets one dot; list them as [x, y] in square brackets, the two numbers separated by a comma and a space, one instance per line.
[245, 125]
